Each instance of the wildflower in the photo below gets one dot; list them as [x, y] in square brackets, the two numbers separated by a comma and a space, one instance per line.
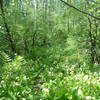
[85, 77]
[46, 90]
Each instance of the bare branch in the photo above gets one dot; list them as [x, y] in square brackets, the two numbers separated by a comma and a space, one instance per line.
[86, 13]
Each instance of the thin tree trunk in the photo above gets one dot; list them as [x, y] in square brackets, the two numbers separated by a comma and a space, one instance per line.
[93, 42]
[9, 37]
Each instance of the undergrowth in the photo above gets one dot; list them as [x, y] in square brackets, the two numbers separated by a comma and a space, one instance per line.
[24, 79]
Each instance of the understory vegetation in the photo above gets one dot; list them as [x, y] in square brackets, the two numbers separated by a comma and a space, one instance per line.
[49, 50]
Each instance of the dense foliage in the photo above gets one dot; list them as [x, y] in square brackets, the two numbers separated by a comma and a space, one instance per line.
[49, 50]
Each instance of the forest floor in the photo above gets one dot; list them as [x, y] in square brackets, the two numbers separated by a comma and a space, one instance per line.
[48, 78]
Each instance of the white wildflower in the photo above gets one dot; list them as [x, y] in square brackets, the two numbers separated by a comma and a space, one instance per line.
[89, 98]
[86, 77]
[46, 90]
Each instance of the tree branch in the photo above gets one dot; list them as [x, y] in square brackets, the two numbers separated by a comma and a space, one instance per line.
[86, 13]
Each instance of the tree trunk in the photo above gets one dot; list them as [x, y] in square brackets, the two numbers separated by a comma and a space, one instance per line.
[9, 37]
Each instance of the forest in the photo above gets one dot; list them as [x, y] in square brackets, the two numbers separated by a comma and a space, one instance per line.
[49, 49]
